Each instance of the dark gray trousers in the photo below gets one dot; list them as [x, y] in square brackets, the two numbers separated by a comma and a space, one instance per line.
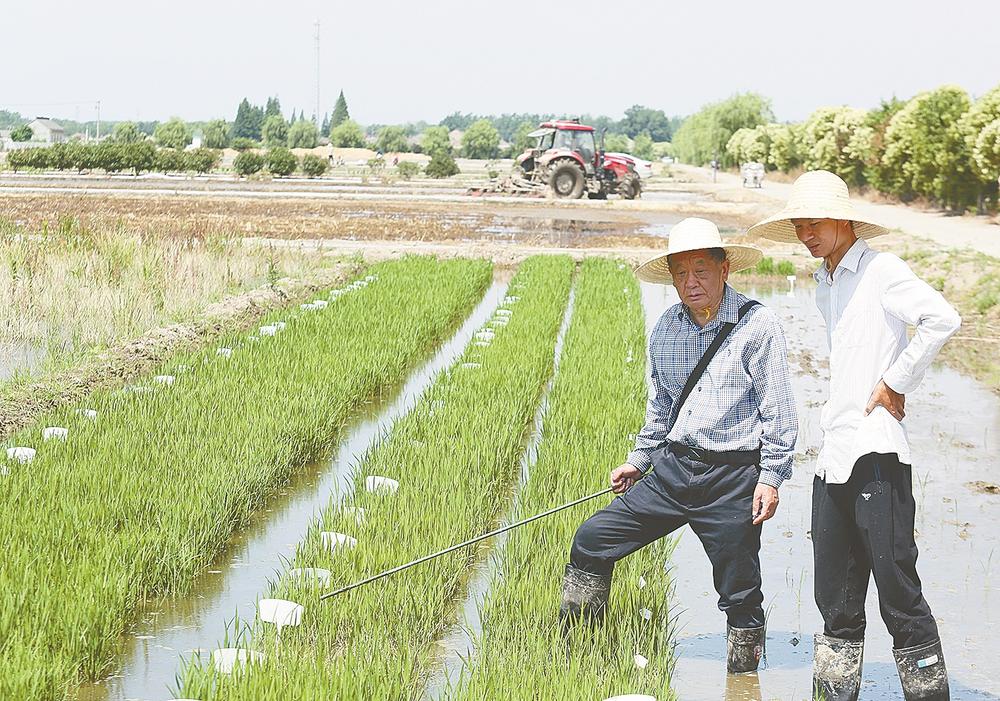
[716, 500]
[863, 528]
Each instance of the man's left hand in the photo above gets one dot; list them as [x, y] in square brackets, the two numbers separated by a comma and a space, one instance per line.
[885, 396]
[765, 502]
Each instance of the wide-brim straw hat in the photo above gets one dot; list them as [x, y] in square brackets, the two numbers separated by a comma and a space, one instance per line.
[694, 234]
[818, 194]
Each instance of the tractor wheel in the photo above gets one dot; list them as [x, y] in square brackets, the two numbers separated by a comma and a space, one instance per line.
[566, 180]
[629, 187]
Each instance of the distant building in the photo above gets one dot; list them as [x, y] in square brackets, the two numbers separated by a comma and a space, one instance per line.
[46, 130]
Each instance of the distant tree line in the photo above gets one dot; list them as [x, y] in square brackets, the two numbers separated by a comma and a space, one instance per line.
[940, 145]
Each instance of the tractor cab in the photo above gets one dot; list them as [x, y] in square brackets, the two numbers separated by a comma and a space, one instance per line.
[566, 137]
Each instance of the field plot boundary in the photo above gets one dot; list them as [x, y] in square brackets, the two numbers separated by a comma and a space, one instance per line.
[151, 480]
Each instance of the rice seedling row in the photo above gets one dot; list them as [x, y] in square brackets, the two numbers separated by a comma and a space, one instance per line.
[595, 405]
[148, 482]
[442, 475]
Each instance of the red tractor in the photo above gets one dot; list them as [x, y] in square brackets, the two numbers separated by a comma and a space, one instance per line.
[565, 158]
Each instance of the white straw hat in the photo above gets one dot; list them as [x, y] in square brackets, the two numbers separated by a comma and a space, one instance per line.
[818, 194]
[694, 234]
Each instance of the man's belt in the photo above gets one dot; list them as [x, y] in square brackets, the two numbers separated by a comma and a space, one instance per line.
[711, 457]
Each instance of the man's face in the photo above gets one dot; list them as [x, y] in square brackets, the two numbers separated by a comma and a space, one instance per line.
[821, 236]
[699, 278]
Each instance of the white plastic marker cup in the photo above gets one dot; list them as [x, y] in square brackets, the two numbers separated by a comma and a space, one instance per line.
[641, 661]
[336, 541]
[642, 582]
[280, 325]
[470, 366]
[311, 574]
[631, 697]
[21, 455]
[280, 612]
[226, 659]
[164, 380]
[268, 330]
[87, 414]
[57, 433]
[308, 307]
[646, 614]
[224, 352]
[385, 485]
[320, 303]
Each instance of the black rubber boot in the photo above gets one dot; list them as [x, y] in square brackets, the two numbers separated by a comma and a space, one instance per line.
[837, 668]
[744, 648]
[922, 672]
[584, 597]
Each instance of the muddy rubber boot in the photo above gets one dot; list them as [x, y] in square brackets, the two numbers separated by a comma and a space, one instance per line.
[922, 672]
[837, 668]
[744, 648]
[584, 596]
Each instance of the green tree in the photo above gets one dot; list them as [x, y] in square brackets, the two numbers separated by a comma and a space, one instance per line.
[173, 133]
[242, 144]
[407, 169]
[986, 152]
[340, 113]
[703, 136]
[639, 119]
[442, 165]
[876, 173]
[272, 108]
[302, 135]
[21, 133]
[127, 133]
[215, 134]
[170, 160]
[973, 124]
[248, 163]
[481, 140]
[392, 140]
[275, 131]
[927, 151]
[249, 121]
[837, 139]
[521, 141]
[642, 146]
[313, 165]
[617, 143]
[325, 128]
[436, 140]
[138, 156]
[281, 161]
[202, 160]
[347, 135]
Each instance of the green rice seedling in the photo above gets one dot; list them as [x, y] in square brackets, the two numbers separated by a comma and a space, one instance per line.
[144, 493]
[596, 403]
[455, 457]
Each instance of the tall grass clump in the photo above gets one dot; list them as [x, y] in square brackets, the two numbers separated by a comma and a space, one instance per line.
[144, 493]
[456, 457]
[596, 403]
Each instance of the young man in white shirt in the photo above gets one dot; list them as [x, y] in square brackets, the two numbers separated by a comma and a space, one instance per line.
[863, 507]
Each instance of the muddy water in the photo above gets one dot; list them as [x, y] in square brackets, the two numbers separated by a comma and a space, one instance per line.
[456, 648]
[17, 358]
[229, 587]
[954, 428]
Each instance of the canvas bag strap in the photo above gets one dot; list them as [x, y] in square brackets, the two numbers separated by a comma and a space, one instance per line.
[699, 369]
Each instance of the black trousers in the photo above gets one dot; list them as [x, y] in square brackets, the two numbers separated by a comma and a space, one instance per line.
[716, 500]
[863, 528]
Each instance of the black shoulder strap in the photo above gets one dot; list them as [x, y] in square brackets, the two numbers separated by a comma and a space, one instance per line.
[699, 369]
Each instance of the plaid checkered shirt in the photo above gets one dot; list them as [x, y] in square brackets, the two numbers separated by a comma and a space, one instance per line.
[743, 401]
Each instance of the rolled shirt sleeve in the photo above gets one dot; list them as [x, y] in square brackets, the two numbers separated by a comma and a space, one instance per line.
[914, 302]
[768, 367]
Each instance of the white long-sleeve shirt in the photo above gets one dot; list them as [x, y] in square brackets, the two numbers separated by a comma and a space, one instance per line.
[867, 304]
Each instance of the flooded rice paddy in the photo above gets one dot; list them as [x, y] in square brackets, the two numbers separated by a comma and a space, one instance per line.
[954, 427]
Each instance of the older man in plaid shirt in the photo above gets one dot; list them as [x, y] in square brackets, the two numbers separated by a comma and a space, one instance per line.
[713, 457]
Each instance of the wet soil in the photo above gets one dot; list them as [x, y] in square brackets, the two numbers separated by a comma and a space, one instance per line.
[954, 428]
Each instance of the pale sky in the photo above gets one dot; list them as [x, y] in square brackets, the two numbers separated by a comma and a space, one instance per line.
[405, 60]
